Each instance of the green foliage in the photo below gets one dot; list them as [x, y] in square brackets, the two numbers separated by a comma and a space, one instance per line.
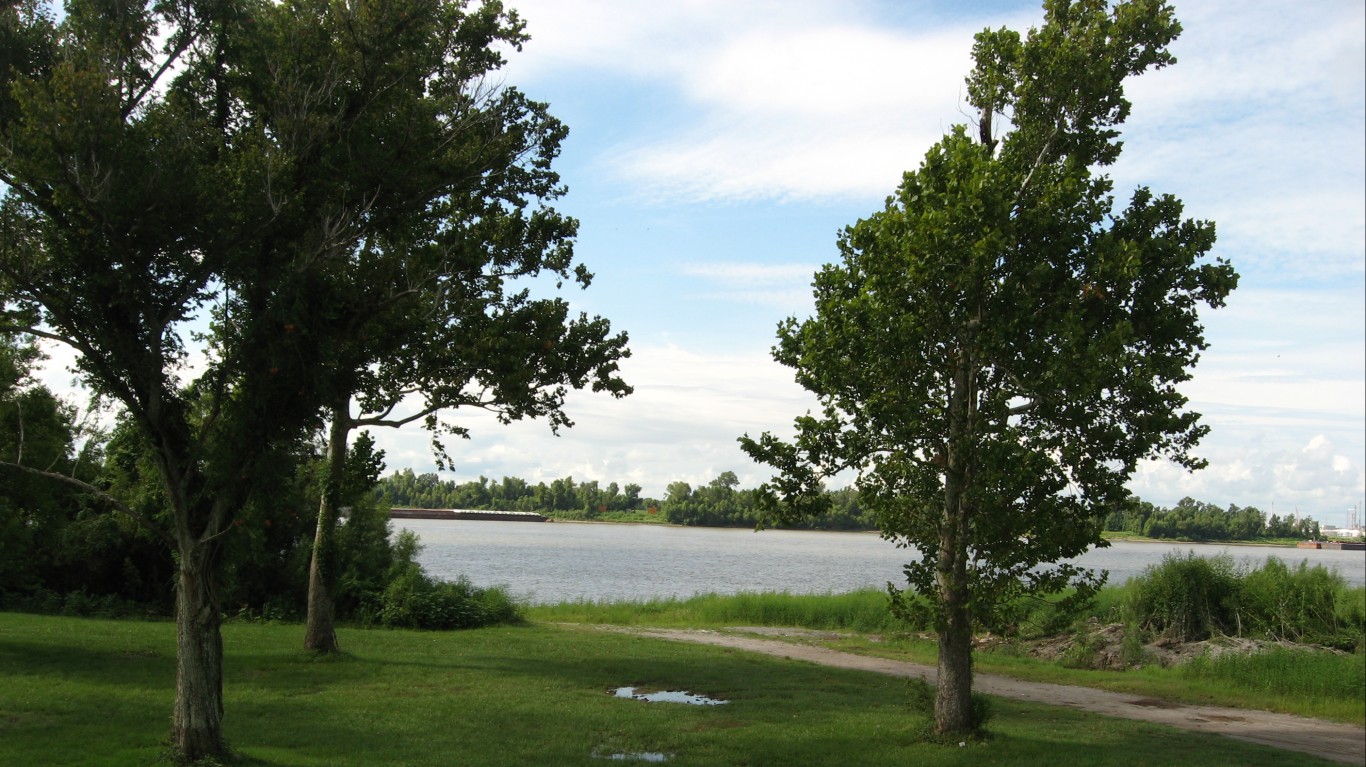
[413, 599]
[1192, 520]
[1188, 597]
[719, 503]
[1297, 605]
[561, 496]
[60, 549]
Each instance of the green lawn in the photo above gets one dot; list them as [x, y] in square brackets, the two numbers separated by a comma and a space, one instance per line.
[97, 692]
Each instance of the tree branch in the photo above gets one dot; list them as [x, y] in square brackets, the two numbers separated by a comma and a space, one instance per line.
[147, 87]
[97, 492]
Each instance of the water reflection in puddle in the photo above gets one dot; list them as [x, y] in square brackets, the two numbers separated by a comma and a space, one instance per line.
[638, 756]
[668, 696]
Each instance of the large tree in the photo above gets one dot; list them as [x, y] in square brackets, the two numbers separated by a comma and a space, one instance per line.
[439, 312]
[999, 346]
[223, 171]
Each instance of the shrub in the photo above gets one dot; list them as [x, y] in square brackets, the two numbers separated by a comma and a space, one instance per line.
[413, 599]
[1188, 598]
[1295, 605]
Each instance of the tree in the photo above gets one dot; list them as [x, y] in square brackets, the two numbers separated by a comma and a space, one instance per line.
[999, 346]
[237, 162]
[438, 318]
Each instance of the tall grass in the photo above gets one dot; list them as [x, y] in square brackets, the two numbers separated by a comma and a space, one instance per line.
[862, 611]
[1280, 671]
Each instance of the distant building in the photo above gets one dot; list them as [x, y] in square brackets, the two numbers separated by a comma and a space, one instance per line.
[1330, 531]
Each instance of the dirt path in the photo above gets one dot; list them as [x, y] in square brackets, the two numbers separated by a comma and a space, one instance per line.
[1330, 740]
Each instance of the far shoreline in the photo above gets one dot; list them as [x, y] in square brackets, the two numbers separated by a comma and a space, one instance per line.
[1107, 536]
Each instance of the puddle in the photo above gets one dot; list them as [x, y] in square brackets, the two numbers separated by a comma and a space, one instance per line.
[668, 696]
[638, 756]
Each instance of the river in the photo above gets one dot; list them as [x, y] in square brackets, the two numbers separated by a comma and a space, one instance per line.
[564, 561]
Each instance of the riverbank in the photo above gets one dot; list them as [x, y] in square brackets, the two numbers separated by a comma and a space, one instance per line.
[522, 695]
[1272, 543]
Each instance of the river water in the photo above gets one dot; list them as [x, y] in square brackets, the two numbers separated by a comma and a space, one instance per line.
[565, 561]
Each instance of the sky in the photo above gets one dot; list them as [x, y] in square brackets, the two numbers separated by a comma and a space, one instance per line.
[717, 148]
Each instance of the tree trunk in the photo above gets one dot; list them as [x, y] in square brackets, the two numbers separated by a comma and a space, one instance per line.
[197, 719]
[953, 693]
[320, 634]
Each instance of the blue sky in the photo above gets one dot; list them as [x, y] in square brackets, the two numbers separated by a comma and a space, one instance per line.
[716, 149]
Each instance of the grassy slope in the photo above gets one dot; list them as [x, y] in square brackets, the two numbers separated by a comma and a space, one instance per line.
[94, 692]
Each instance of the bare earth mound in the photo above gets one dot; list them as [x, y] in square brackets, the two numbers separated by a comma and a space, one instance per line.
[1329, 740]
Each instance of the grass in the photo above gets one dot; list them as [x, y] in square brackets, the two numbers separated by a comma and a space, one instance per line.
[98, 692]
[1283, 673]
[1308, 684]
[1125, 535]
[863, 611]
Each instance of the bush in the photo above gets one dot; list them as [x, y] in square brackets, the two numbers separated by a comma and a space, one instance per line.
[1296, 605]
[413, 599]
[417, 601]
[1188, 598]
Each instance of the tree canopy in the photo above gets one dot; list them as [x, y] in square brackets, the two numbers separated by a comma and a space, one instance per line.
[1000, 346]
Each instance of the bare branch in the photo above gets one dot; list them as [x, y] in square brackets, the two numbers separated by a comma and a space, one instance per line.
[1038, 163]
[166, 65]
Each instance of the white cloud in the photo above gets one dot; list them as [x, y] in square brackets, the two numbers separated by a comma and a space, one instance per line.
[795, 100]
[1260, 127]
[804, 113]
[681, 423]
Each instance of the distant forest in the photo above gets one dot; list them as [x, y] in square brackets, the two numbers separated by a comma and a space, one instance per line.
[722, 503]
[719, 503]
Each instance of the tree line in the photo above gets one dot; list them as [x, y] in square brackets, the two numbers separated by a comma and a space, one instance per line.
[718, 503]
[1192, 520]
[721, 502]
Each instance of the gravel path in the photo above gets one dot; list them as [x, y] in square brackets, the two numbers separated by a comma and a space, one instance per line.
[1330, 740]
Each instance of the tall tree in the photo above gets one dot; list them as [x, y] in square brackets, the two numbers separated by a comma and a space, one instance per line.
[244, 162]
[450, 334]
[999, 346]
